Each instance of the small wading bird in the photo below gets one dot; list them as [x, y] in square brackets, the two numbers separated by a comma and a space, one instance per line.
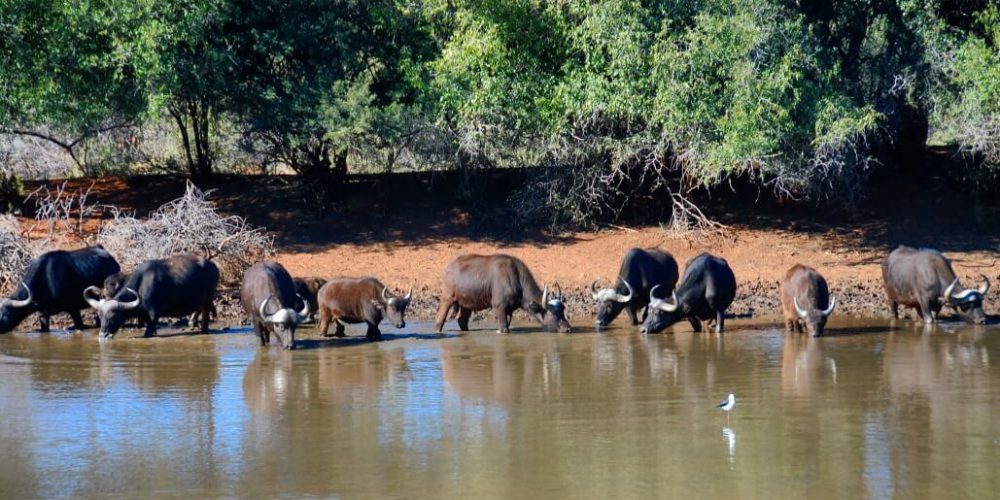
[727, 405]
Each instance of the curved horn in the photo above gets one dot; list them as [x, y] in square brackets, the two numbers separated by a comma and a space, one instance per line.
[951, 288]
[385, 294]
[661, 304]
[409, 294]
[985, 287]
[625, 298]
[96, 304]
[829, 310]
[671, 307]
[559, 294]
[545, 295]
[125, 306]
[268, 318]
[304, 313]
[22, 302]
[593, 290]
[801, 312]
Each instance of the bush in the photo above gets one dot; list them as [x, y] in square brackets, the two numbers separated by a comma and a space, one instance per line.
[15, 253]
[189, 224]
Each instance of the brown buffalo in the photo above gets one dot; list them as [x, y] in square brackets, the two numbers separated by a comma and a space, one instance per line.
[308, 288]
[502, 283]
[269, 300]
[360, 300]
[805, 300]
[923, 279]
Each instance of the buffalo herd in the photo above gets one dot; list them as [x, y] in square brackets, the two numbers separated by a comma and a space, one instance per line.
[649, 288]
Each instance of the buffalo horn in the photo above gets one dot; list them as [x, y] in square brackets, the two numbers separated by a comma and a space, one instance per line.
[96, 304]
[802, 312]
[409, 294]
[985, 287]
[385, 294]
[951, 288]
[661, 304]
[130, 305]
[268, 318]
[545, 295]
[625, 298]
[829, 310]
[593, 290]
[19, 303]
[304, 313]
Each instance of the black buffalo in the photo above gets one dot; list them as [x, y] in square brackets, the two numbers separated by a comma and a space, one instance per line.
[54, 283]
[502, 283]
[173, 287]
[707, 288]
[641, 270]
[269, 297]
[923, 279]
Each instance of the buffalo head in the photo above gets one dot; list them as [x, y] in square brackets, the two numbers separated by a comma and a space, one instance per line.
[609, 302]
[13, 311]
[968, 303]
[395, 306]
[814, 319]
[552, 312]
[112, 312]
[284, 321]
[661, 313]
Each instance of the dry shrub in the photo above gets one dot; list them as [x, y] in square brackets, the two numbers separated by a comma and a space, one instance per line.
[62, 212]
[189, 224]
[16, 253]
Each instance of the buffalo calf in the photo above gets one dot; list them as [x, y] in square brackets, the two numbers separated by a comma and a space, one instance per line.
[360, 300]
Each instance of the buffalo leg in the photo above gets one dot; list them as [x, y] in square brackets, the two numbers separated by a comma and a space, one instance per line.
[151, 325]
[927, 313]
[443, 309]
[324, 322]
[720, 322]
[338, 329]
[503, 319]
[631, 315]
[261, 333]
[43, 323]
[206, 310]
[894, 308]
[695, 323]
[463, 318]
[77, 320]
[373, 332]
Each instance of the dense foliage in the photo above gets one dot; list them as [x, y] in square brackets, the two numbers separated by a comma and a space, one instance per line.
[628, 100]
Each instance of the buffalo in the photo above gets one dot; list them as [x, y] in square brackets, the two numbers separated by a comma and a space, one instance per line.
[707, 288]
[308, 288]
[805, 300]
[268, 295]
[54, 282]
[640, 271]
[171, 287]
[360, 300]
[923, 279]
[502, 283]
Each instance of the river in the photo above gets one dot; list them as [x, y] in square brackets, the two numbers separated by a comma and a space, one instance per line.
[869, 411]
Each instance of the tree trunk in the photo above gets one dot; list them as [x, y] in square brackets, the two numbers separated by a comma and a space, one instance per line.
[195, 115]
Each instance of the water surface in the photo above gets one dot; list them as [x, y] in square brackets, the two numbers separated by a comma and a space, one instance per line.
[868, 412]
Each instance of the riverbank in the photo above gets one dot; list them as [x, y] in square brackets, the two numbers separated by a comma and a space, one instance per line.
[406, 228]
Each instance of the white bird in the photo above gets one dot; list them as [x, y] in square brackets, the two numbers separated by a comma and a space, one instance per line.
[727, 405]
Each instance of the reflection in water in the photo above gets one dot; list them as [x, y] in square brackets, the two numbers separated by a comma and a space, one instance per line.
[883, 413]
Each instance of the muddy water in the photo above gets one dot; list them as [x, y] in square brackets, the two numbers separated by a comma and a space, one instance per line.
[870, 412]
